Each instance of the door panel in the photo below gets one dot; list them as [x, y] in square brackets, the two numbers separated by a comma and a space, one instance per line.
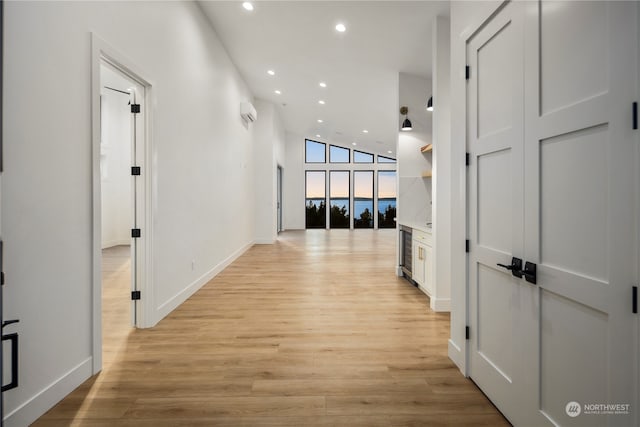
[495, 326]
[579, 208]
[553, 181]
[565, 53]
[572, 364]
[494, 112]
[573, 202]
[495, 99]
[495, 211]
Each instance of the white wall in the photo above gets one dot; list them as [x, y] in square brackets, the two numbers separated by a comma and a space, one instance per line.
[115, 161]
[269, 152]
[414, 192]
[293, 211]
[442, 160]
[202, 158]
[466, 16]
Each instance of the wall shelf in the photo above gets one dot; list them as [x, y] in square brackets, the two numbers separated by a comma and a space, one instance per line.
[426, 174]
[426, 148]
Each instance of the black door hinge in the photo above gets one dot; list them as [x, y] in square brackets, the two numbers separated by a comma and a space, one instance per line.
[135, 295]
[135, 170]
[466, 245]
[467, 159]
[635, 115]
[467, 72]
[467, 333]
[135, 232]
[634, 302]
[135, 108]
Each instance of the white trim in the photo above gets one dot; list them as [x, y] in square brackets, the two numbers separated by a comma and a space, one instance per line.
[175, 301]
[33, 408]
[264, 241]
[102, 51]
[440, 304]
[456, 354]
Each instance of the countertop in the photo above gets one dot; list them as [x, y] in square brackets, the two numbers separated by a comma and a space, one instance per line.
[422, 227]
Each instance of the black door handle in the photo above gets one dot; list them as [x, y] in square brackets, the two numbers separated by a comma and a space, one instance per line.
[515, 267]
[530, 273]
[9, 322]
[13, 339]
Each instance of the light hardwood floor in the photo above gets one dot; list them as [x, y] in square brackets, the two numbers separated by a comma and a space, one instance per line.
[315, 330]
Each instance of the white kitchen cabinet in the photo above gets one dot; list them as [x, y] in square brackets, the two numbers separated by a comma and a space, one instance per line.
[422, 268]
[418, 268]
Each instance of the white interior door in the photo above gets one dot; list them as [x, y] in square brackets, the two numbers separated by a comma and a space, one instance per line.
[495, 142]
[580, 198]
[553, 180]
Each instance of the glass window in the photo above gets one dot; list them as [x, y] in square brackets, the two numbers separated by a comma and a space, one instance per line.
[338, 154]
[383, 159]
[386, 199]
[360, 157]
[339, 199]
[316, 214]
[363, 199]
[315, 152]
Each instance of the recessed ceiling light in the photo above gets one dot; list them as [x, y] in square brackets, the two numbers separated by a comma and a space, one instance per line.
[341, 28]
[318, 135]
[277, 92]
[320, 120]
[321, 102]
[389, 151]
[365, 131]
[354, 143]
[323, 84]
[271, 72]
[247, 5]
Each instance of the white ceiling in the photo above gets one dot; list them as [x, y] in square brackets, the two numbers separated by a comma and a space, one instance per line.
[298, 40]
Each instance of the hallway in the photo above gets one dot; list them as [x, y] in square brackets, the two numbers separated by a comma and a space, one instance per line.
[314, 330]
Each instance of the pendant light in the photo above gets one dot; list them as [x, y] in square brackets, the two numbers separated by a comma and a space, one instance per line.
[406, 124]
[430, 104]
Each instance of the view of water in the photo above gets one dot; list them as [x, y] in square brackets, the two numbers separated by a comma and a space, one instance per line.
[340, 203]
[383, 203]
[359, 204]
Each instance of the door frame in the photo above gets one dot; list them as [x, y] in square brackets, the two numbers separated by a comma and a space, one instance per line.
[279, 198]
[102, 51]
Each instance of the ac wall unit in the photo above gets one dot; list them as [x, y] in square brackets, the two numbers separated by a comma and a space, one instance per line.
[248, 112]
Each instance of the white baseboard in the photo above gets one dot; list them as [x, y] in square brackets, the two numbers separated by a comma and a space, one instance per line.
[174, 302]
[112, 243]
[265, 241]
[33, 408]
[399, 271]
[440, 304]
[457, 356]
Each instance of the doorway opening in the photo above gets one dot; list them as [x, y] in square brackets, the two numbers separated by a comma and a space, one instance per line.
[118, 200]
[122, 183]
[279, 201]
